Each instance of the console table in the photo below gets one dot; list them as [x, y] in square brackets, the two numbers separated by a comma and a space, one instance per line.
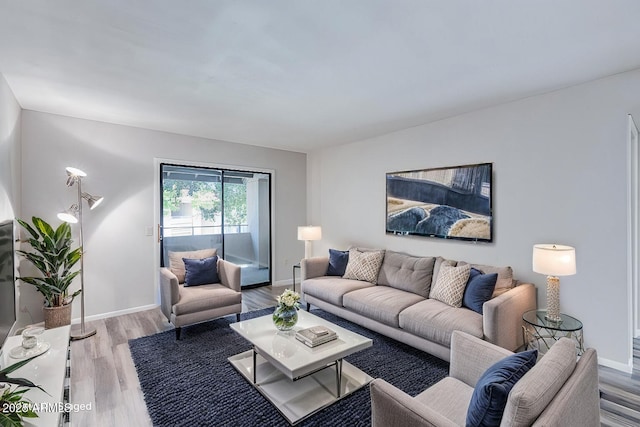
[541, 333]
[50, 371]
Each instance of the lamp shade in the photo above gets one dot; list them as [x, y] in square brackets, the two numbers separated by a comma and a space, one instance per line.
[92, 201]
[554, 260]
[309, 232]
[67, 216]
[75, 172]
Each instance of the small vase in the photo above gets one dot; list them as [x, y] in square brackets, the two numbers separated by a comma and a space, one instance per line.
[285, 317]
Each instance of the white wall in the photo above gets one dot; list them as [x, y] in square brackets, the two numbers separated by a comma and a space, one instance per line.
[560, 176]
[119, 161]
[10, 179]
[10, 114]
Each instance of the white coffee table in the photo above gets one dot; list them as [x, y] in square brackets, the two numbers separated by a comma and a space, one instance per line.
[294, 377]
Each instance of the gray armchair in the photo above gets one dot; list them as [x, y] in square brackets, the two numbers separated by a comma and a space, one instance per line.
[557, 391]
[187, 305]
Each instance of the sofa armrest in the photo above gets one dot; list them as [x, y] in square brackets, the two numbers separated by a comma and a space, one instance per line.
[391, 407]
[471, 357]
[502, 316]
[579, 398]
[313, 267]
[229, 274]
[169, 291]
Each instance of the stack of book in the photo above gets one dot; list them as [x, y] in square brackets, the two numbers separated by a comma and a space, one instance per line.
[316, 335]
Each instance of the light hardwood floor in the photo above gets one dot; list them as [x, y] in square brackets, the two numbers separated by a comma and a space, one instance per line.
[620, 394]
[103, 374]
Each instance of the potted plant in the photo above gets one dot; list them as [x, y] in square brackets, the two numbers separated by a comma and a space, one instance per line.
[53, 256]
[14, 407]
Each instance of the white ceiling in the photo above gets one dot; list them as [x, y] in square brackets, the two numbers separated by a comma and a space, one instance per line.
[300, 74]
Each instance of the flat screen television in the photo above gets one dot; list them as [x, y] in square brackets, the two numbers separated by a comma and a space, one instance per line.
[7, 280]
[449, 202]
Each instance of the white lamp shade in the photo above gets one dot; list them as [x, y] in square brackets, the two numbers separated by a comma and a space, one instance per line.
[309, 232]
[92, 201]
[75, 172]
[554, 260]
[67, 217]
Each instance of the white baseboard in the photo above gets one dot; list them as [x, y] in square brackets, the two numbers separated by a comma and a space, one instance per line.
[628, 368]
[114, 313]
[287, 282]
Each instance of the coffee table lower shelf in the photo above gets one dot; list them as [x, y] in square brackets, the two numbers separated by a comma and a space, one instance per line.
[297, 400]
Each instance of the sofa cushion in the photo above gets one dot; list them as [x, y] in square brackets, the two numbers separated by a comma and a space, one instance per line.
[337, 262]
[450, 284]
[531, 395]
[478, 290]
[331, 288]
[194, 299]
[364, 265]
[448, 397]
[176, 265]
[505, 274]
[380, 303]
[492, 389]
[201, 271]
[407, 273]
[436, 321]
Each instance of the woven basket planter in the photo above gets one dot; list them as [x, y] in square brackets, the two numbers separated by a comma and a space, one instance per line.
[57, 316]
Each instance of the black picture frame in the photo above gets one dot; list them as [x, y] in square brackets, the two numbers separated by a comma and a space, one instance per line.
[447, 202]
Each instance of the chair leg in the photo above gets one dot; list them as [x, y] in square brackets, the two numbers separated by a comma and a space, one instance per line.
[308, 306]
[178, 331]
[237, 317]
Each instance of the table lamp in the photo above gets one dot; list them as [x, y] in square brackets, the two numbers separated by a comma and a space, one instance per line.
[309, 233]
[554, 260]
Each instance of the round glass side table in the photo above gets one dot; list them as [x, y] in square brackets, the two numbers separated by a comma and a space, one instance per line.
[541, 333]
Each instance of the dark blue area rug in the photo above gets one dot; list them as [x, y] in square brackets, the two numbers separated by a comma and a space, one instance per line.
[191, 383]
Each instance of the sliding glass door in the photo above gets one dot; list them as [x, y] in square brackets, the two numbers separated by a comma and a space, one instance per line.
[218, 208]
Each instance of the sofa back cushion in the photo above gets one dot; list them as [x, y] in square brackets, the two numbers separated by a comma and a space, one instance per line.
[176, 265]
[531, 395]
[407, 273]
[505, 274]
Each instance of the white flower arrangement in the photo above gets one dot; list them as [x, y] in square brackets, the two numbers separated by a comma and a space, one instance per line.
[289, 299]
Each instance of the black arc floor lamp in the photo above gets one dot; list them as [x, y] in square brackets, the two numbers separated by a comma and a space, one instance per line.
[74, 215]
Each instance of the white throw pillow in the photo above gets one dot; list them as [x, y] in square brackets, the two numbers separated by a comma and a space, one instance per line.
[450, 284]
[364, 265]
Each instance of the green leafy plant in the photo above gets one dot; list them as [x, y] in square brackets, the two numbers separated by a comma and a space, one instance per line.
[53, 256]
[13, 405]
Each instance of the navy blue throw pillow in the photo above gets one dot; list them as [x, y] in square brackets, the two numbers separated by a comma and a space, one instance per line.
[492, 389]
[201, 271]
[479, 289]
[337, 262]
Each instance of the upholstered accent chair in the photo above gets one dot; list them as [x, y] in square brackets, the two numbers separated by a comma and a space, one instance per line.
[556, 391]
[186, 305]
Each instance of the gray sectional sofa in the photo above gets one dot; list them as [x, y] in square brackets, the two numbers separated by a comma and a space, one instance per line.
[397, 303]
